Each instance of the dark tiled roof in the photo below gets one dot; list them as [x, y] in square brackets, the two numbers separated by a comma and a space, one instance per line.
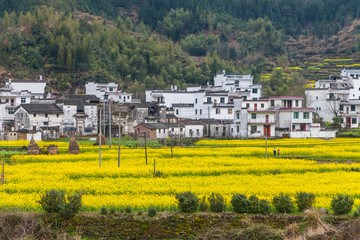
[155, 125]
[192, 122]
[91, 98]
[42, 108]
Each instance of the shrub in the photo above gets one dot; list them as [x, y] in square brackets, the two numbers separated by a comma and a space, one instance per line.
[342, 204]
[158, 174]
[240, 203]
[104, 210]
[72, 207]
[217, 203]
[52, 201]
[304, 200]
[264, 207]
[203, 205]
[253, 204]
[112, 210]
[283, 203]
[128, 209]
[187, 202]
[152, 211]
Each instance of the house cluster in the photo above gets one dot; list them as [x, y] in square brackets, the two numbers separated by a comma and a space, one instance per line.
[232, 107]
[337, 98]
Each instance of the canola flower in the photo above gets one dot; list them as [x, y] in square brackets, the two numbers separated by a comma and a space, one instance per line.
[222, 166]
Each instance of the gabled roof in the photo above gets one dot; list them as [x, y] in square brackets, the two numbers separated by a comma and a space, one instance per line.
[41, 108]
[191, 122]
[286, 97]
[154, 125]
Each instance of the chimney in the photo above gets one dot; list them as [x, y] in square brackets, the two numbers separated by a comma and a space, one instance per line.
[175, 87]
[223, 72]
[40, 78]
[171, 87]
[9, 80]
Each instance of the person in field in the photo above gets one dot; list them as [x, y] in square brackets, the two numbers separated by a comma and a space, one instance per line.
[279, 152]
[274, 152]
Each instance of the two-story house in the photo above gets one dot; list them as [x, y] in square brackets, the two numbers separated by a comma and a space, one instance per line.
[260, 118]
[46, 118]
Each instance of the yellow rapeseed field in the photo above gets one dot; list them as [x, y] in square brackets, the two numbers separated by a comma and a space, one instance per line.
[220, 166]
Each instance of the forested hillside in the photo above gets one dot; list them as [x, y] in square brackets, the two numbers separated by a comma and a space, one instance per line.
[154, 44]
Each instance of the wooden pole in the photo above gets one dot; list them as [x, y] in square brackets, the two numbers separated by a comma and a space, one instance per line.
[3, 173]
[171, 146]
[119, 142]
[109, 124]
[145, 148]
[100, 140]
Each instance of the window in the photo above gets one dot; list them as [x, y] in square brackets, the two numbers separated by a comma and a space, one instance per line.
[237, 128]
[159, 130]
[237, 115]
[254, 98]
[262, 105]
[57, 115]
[195, 111]
[172, 129]
[254, 91]
[353, 108]
[253, 116]
[297, 103]
[217, 129]
[46, 115]
[177, 111]
[180, 129]
[34, 115]
[253, 129]
[111, 89]
[208, 100]
[200, 111]
[296, 115]
[341, 107]
[306, 115]
[106, 96]
[316, 97]
[10, 111]
[232, 130]
[247, 105]
[218, 111]
[197, 131]
[293, 127]
[23, 100]
[195, 100]
[164, 131]
[34, 128]
[354, 120]
[272, 103]
[46, 123]
[7, 100]
[230, 111]
[222, 100]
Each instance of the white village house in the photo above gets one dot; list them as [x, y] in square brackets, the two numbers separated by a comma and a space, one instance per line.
[46, 118]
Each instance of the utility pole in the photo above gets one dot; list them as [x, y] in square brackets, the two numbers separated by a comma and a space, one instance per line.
[171, 146]
[154, 166]
[266, 131]
[104, 123]
[119, 141]
[3, 173]
[109, 124]
[144, 132]
[100, 140]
